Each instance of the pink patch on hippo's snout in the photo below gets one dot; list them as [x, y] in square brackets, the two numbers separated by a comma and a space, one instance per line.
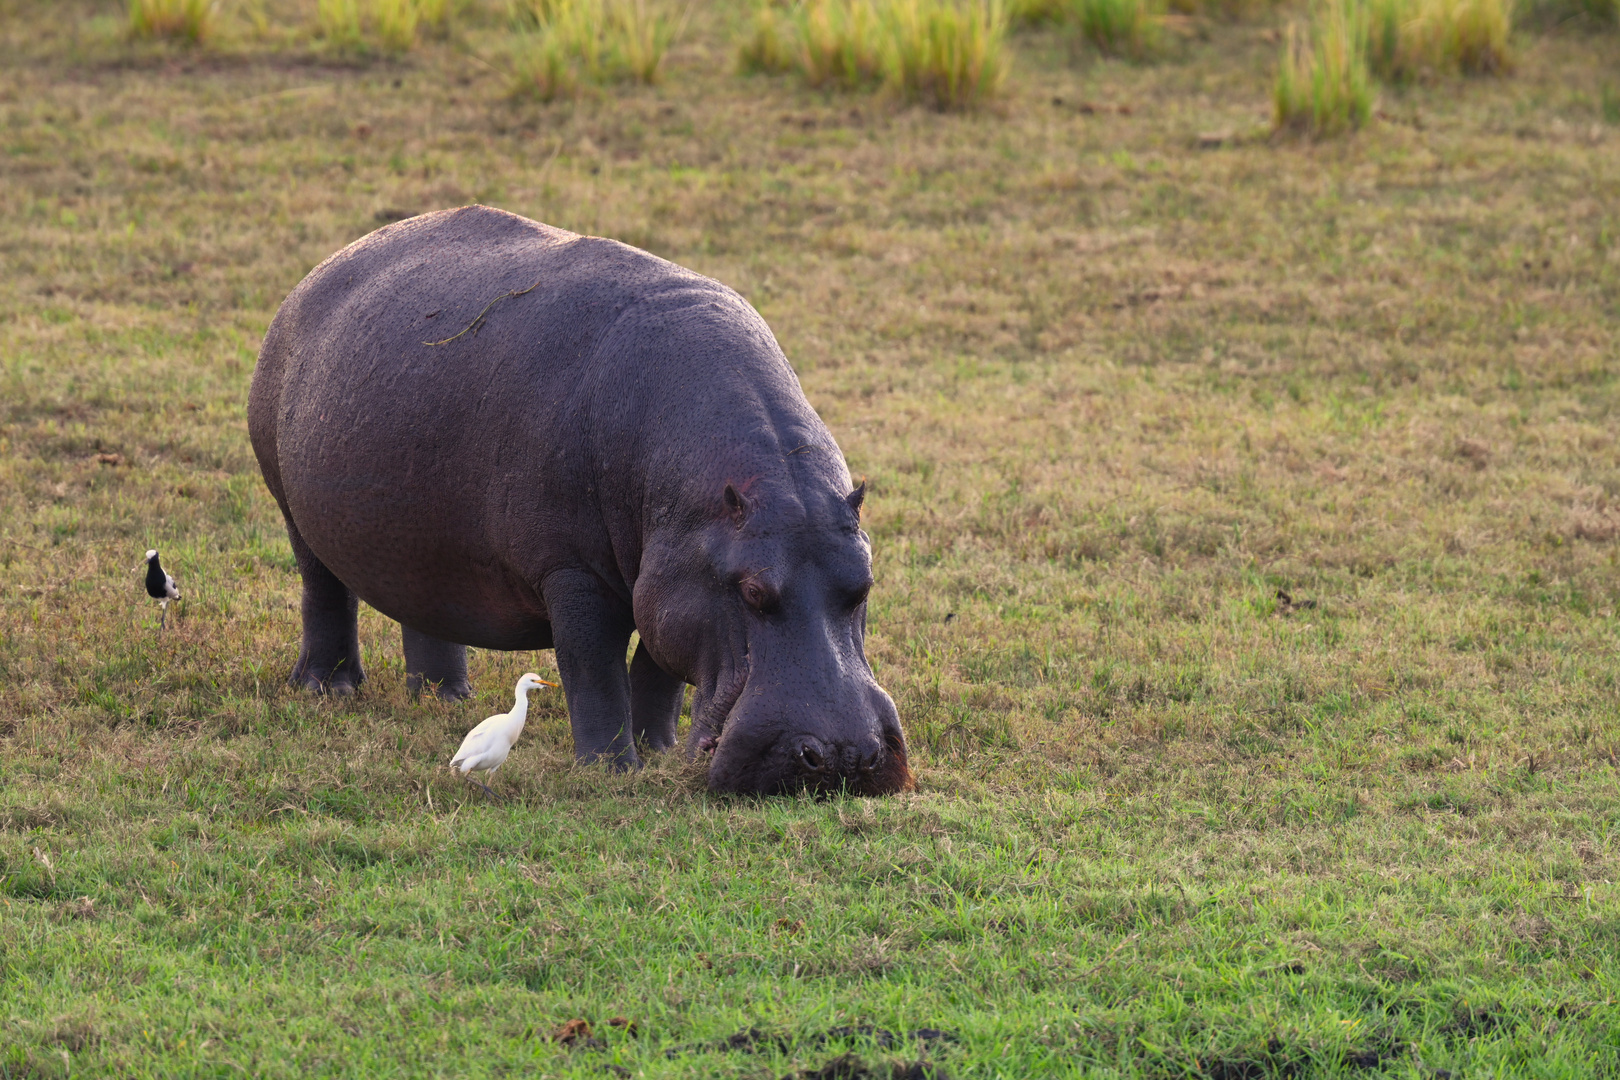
[708, 743]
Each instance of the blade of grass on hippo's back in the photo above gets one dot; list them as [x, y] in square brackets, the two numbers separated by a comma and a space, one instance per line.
[1245, 537]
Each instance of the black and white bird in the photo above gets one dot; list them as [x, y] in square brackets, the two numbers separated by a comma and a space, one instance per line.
[160, 585]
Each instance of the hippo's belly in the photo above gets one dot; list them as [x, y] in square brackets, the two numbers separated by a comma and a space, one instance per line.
[426, 556]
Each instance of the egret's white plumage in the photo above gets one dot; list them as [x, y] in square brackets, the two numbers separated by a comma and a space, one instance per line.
[486, 746]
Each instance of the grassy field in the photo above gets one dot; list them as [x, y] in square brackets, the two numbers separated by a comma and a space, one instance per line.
[1121, 370]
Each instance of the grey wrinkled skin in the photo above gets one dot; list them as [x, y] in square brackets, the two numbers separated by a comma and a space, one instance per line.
[621, 447]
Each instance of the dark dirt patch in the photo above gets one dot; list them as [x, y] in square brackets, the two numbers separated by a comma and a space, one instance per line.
[1278, 1060]
[1469, 1023]
[850, 1067]
[750, 1041]
[755, 1040]
[576, 1034]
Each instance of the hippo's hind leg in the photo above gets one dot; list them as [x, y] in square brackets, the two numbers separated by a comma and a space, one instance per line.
[655, 701]
[329, 661]
[591, 627]
[441, 666]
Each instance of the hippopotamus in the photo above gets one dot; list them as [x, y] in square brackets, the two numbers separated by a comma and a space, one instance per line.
[510, 436]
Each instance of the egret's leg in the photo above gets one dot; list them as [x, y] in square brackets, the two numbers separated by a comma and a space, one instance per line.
[487, 791]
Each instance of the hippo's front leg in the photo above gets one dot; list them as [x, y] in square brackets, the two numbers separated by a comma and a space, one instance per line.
[591, 628]
[655, 700]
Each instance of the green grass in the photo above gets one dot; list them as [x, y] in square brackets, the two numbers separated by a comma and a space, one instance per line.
[1114, 386]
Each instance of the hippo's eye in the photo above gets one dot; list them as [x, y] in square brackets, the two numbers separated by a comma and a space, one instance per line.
[757, 596]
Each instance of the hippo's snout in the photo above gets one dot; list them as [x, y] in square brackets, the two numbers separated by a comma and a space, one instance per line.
[865, 754]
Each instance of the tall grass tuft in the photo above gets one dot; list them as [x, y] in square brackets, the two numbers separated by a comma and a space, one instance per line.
[1120, 27]
[1410, 39]
[434, 15]
[767, 49]
[185, 20]
[1551, 13]
[394, 23]
[1323, 86]
[543, 67]
[1475, 38]
[388, 25]
[1230, 10]
[639, 34]
[564, 45]
[945, 54]
[338, 21]
[1036, 12]
[950, 54]
[1130, 28]
[839, 42]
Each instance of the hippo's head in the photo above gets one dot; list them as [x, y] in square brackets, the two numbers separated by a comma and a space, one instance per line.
[762, 606]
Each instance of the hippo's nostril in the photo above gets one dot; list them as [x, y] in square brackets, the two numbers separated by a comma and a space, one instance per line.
[811, 755]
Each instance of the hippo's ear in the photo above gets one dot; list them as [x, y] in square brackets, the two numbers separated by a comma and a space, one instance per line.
[736, 505]
[856, 497]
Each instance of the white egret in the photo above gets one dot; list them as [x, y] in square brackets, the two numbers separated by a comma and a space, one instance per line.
[160, 585]
[486, 746]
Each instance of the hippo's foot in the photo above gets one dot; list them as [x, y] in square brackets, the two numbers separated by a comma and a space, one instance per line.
[344, 682]
[444, 691]
[440, 667]
[614, 761]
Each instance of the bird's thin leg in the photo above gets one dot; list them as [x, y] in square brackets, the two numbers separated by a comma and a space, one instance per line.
[487, 791]
[164, 618]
